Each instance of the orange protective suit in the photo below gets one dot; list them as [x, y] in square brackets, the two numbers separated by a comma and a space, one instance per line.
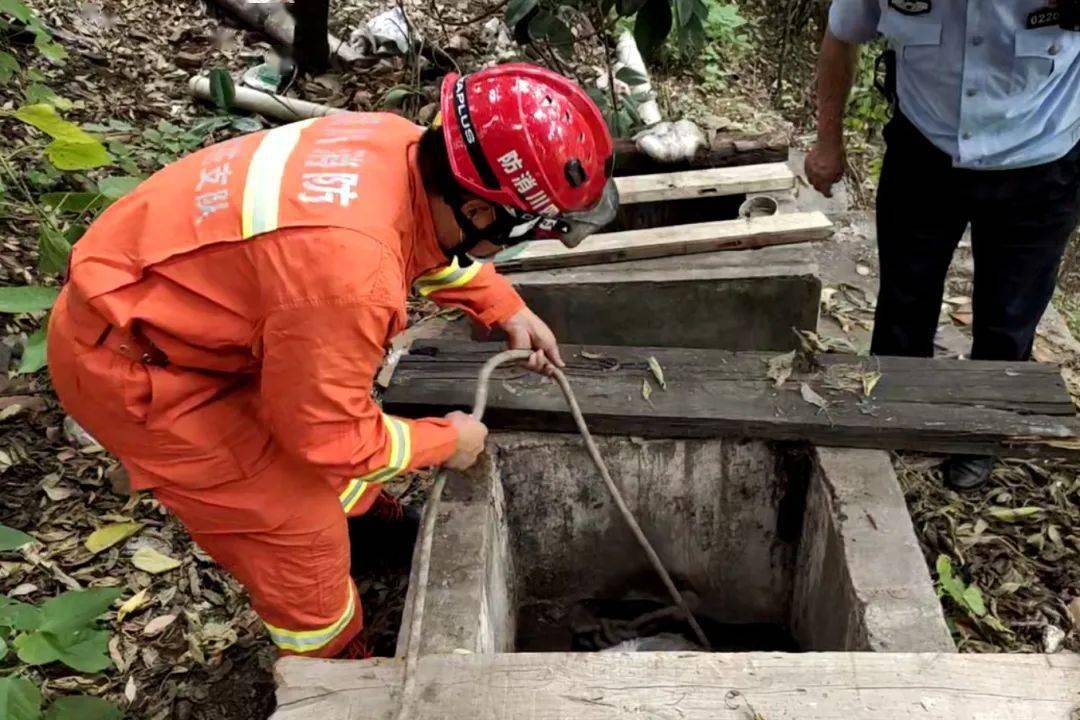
[220, 333]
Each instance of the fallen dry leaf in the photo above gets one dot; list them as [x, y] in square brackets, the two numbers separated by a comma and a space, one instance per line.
[130, 689]
[1074, 613]
[869, 382]
[24, 589]
[132, 604]
[810, 396]
[150, 560]
[158, 625]
[646, 391]
[108, 535]
[781, 367]
[658, 372]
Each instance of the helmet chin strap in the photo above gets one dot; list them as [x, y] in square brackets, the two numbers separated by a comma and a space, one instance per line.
[497, 233]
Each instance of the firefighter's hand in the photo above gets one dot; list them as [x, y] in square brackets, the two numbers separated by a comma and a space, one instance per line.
[471, 435]
[825, 165]
[526, 331]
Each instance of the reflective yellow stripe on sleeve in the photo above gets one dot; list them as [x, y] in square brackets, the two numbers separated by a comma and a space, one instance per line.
[451, 276]
[262, 184]
[397, 462]
[305, 641]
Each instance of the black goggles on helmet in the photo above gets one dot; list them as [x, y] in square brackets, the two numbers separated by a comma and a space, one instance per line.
[513, 226]
[568, 228]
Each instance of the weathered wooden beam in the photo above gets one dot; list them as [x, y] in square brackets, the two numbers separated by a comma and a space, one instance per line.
[689, 686]
[676, 240]
[764, 293]
[712, 182]
[919, 404]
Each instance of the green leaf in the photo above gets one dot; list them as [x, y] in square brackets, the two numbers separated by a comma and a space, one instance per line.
[72, 148]
[1011, 515]
[246, 124]
[651, 27]
[53, 250]
[86, 650]
[8, 67]
[35, 649]
[630, 76]
[68, 155]
[518, 10]
[48, 47]
[222, 90]
[19, 615]
[77, 608]
[396, 96]
[973, 601]
[39, 93]
[948, 582]
[118, 186]
[626, 8]
[3, 648]
[553, 30]
[43, 116]
[12, 539]
[76, 202]
[82, 707]
[684, 11]
[15, 9]
[19, 698]
[33, 357]
[27, 298]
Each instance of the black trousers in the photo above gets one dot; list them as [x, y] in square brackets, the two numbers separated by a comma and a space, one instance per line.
[1021, 221]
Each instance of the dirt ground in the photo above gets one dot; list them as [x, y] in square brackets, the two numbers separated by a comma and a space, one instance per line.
[193, 649]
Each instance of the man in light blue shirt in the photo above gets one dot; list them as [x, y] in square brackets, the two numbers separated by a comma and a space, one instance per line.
[985, 133]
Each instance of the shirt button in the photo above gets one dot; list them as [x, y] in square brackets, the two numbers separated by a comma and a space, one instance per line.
[1053, 49]
[966, 136]
[977, 40]
[972, 92]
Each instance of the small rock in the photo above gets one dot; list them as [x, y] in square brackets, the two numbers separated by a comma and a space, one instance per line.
[862, 270]
[458, 43]
[1053, 638]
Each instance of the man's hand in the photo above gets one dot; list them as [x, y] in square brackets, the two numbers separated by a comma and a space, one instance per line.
[825, 165]
[471, 435]
[526, 331]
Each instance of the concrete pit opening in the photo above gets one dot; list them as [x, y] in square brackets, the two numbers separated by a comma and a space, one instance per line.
[770, 543]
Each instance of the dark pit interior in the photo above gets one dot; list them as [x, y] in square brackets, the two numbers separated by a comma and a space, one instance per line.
[707, 208]
[724, 515]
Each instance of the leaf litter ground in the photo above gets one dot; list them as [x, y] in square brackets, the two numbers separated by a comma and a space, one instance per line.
[187, 644]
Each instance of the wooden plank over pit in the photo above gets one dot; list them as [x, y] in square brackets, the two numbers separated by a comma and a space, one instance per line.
[713, 182]
[688, 686]
[740, 234]
[941, 405]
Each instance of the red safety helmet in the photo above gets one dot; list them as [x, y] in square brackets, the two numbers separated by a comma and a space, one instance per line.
[532, 141]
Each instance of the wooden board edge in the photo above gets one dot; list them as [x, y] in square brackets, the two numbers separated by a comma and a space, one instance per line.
[818, 227]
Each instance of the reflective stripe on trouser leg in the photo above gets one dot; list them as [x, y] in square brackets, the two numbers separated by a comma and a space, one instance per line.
[451, 276]
[397, 462]
[306, 641]
[262, 185]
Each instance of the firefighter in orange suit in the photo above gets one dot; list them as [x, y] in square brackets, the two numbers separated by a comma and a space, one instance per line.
[222, 324]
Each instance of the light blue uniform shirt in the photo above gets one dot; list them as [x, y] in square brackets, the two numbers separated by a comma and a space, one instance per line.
[972, 75]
